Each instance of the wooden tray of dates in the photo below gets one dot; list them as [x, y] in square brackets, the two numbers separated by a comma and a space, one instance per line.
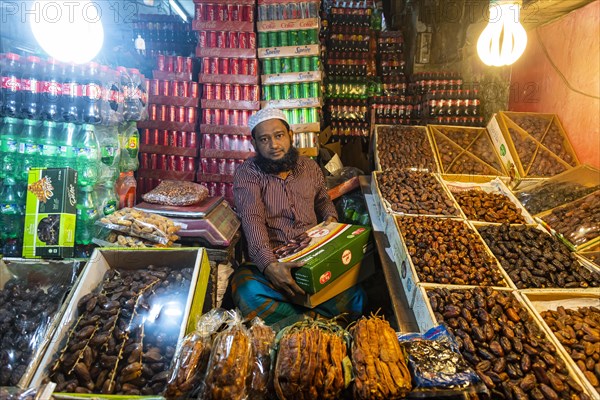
[398, 147]
[572, 321]
[500, 337]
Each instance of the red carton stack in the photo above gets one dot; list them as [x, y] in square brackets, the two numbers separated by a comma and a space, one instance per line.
[169, 140]
[230, 91]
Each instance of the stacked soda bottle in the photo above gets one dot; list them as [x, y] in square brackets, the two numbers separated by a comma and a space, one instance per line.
[169, 139]
[62, 115]
[351, 39]
[289, 49]
[229, 85]
[164, 34]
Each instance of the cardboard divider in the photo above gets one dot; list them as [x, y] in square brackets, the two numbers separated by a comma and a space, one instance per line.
[169, 150]
[228, 79]
[167, 125]
[230, 104]
[289, 51]
[312, 102]
[223, 52]
[229, 26]
[225, 129]
[103, 260]
[174, 101]
[172, 76]
[539, 301]
[288, 25]
[292, 77]
[162, 174]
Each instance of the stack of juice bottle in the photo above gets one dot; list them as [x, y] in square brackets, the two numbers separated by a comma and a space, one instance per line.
[352, 29]
[66, 115]
[169, 139]
[446, 100]
[289, 49]
[230, 88]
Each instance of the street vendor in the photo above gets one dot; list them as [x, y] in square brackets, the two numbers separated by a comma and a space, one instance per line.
[279, 195]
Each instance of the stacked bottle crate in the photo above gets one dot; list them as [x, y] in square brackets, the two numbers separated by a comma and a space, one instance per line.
[168, 139]
[230, 90]
[289, 49]
[351, 68]
[445, 100]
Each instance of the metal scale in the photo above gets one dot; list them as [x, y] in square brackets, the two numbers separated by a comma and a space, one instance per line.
[212, 222]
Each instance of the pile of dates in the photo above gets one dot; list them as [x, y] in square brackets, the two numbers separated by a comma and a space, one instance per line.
[26, 310]
[534, 259]
[546, 164]
[414, 192]
[125, 333]
[579, 332]
[525, 147]
[555, 142]
[457, 161]
[501, 340]
[404, 147]
[534, 125]
[294, 246]
[488, 207]
[579, 221]
[552, 194]
[448, 252]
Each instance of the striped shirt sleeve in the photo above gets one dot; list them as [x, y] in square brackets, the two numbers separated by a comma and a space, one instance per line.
[251, 210]
[324, 207]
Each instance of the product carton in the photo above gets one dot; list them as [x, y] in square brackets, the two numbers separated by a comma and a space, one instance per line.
[332, 249]
[50, 213]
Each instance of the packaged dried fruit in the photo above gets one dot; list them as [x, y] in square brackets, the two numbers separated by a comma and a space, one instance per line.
[176, 193]
[263, 341]
[152, 227]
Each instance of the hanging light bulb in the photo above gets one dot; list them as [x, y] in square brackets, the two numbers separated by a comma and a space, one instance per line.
[67, 30]
[504, 39]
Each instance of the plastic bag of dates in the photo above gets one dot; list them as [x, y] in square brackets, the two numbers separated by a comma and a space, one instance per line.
[191, 358]
[229, 370]
[176, 193]
[436, 364]
[152, 227]
[501, 339]
[263, 342]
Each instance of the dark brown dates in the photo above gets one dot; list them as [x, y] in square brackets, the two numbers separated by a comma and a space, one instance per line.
[488, 207]
[449, 252]
[507, 375]
[128, 349]
[404, 147]
[534, 259]
[579, 221]
[413, 192]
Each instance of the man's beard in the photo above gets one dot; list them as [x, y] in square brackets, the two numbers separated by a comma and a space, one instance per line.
[286, 163]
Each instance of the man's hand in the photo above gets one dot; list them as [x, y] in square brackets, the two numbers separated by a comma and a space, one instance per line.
[280, 275]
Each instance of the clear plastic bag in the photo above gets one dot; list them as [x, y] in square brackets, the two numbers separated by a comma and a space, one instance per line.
[263, 341]
[152, 227]
[176, 193]
[118, 239]
[436, 364]
[192, 355]
[230, 366]
[14, 393]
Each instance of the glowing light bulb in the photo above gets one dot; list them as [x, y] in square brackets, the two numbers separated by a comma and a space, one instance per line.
[68, 31]
[504, 39]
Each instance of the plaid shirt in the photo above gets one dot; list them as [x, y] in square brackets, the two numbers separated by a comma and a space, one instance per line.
[274, 210]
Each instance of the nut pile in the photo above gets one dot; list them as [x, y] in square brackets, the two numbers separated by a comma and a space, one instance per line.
[501, 340]
[579, 221]
[448, 252]
[119, 344]
[579, 332]
[552, 194]
[555, 142]
[25, 311]
[488, 207]
[534, 259]
[545, 164]
[295, 245]
[414, 192]
[404, 147]
[138, 223]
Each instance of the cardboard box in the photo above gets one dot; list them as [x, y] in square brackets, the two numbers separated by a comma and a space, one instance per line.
[93, 274]
[332, 250]
[404, 132]
[50, 213]
[351, 277]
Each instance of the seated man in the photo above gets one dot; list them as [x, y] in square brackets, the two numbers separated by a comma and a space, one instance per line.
[278, 195]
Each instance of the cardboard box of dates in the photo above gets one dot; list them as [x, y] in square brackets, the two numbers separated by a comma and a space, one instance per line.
[442, 251]
[127, 314]
[399, 146]
[327, 252]
[559, 313]
[500, 337]
[531, 145]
